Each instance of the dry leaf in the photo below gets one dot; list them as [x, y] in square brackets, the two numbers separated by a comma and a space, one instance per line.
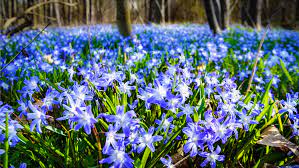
[272, 137]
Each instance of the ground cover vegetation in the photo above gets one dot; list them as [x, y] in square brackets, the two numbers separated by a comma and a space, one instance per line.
[171, 96]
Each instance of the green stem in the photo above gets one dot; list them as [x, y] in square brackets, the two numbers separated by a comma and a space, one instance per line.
[6, 142]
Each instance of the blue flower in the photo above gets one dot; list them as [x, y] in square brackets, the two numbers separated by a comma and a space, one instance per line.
[38, 117]
[212, 157]
[246, 119]
[32, 84]
[173, 102]
[49, 100]
[22, 108]
[84, 118]
[71, 110]
[3, 110]
[184, 91]
[125, 88]
[147, 139]
[289, 105]
[195, 136]
[159, 92]
[108, 78]
[295, 125]
[166, 123]
[81, 92]
[167, 163]
[13, 127]
[118, 157]
[187, 110]
[121, 119]
[111, 137]
[133, 105]
[221, 130]
[2, 151]
[145, 96]
[23, 165]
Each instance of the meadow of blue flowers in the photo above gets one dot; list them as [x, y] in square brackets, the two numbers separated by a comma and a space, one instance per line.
[170, 96]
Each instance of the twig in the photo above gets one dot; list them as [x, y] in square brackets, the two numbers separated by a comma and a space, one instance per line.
[25, 47]
[48, 2]
[241, 84]
[231, 8]
[240, 164]
[256, 60]
[177, 163]
[96, 134]
[89, 39]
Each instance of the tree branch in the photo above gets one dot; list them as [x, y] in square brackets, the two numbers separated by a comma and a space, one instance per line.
[256, 60]
[25, 47]
[231, 8]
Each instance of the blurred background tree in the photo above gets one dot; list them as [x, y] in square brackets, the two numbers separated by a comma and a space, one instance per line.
[123, 17]
[254, 13]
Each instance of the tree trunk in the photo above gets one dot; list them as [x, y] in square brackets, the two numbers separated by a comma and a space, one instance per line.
[162, 11]
[217, 11]
[225, 13]
[57, 12]
[123, 17]
[211, 16]
[40, 13]
[9, 8]
[258, 16]
[93, 12]
[169, 6]
[3, 11]
[70, 15]
[15, 6]
[46, 13]
[154, 11]
[51, 10]
[244, 12]
[288, 18]
[253, 13]
[146, 10]
[87, 9]
[2, 14]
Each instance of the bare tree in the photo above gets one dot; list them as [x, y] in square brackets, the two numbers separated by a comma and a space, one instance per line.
[297, 11]
[252, 13]
[93, 12]
[212, 16]
[225, 13]
[218, 13]
[123, 17]
[169, 5]
[57, 13]
[288, 14]
[258, 15]
[161, 6]
[87, 11]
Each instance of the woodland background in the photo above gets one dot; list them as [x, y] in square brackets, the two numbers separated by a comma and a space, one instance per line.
[38, 13]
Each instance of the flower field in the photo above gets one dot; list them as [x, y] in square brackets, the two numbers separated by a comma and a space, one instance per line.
[171, 96]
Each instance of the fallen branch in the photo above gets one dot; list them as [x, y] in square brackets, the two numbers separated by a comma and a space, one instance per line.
[22, 50]
[256, 60]
[29, 10]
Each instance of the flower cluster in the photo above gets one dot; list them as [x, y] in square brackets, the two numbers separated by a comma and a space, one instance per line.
[176, 85]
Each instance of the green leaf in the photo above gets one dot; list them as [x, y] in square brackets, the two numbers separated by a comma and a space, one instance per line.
[22, 138]
[137, 163]
[58, 131]
[286, 72]
[145, 157]
[265, 96]
[165, 149]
